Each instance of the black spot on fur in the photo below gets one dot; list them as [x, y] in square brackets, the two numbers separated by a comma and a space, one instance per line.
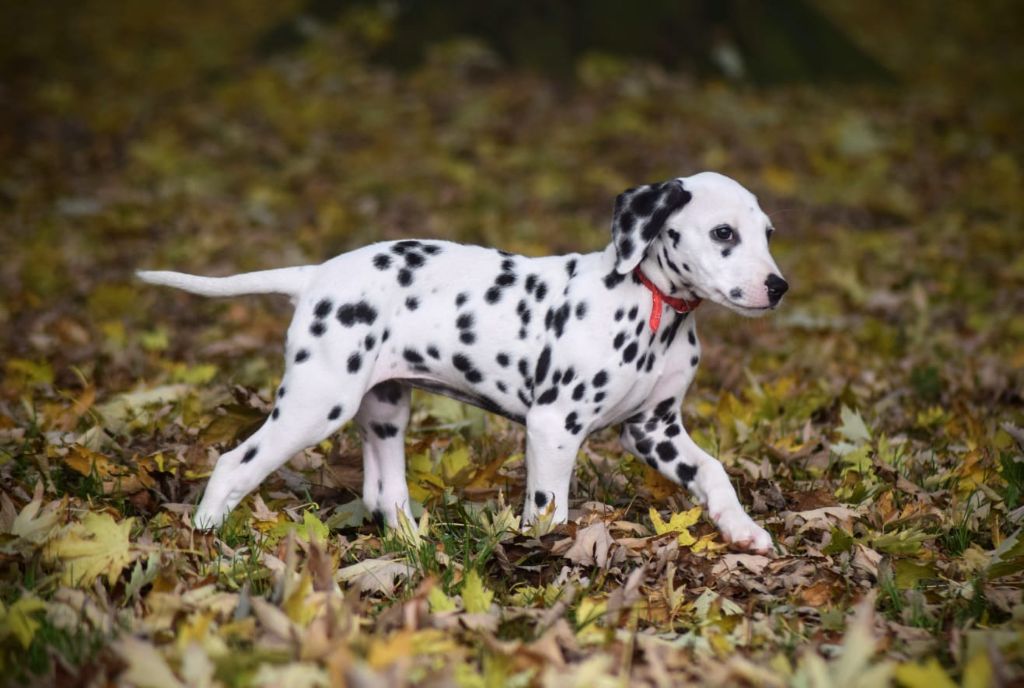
[629, 353]
[401, 247]
[560, 317]
[280, 392]
[694, 361]
[384, 430]
[378, 518]
[540, 499]
[619, 340]
[301, 355]
[619, 314]
[692, 337]
[461, 298]
[548, 396]
[432, 249]
[464, 321]
[664, 407]
[351, 314]
[412, 303]
[412, 356]
[543, 363]
[613, 279]
[250, 454]
[666, 451]
[570, 267]
[643, 202]
[672, 430]
[542, 290]
[414, 260]
[581, 310]
[674, 236]
[493, 295]
[369, 342]
[501, 386]
[275, 414]
[685, 473]
[505, 279]
[502, 360]
[508, 263]
[433, 352]
[405, 277]
[579, 391]
[467, 337]
[317, 328]
[600, 379]
[644, 446]
[384, 337]
[389, 392]
[633, 312]
[599, 397]
[324, 307]
[334, 414]
[382, 261]
[355, 361]
[726, 252]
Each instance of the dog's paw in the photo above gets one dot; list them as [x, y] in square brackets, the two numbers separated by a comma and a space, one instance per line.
[739, 530]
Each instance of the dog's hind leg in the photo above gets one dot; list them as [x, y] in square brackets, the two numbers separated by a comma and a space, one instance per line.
[312, 403]
[382, 418]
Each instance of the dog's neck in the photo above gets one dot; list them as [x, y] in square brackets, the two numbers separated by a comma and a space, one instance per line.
[669, 280]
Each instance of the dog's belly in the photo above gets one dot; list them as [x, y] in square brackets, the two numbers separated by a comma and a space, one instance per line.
[485, 403]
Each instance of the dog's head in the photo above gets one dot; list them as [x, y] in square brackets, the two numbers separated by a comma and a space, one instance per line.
[701, 236]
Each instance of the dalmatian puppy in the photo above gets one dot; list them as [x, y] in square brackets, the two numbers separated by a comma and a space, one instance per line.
[566, 345]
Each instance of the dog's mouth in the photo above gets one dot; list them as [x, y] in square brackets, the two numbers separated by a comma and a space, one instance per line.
[737, 306]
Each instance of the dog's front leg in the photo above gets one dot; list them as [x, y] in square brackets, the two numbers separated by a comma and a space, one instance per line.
[550, 457]
[662, 441]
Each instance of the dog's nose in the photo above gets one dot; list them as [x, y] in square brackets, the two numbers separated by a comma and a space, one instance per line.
[776, 288]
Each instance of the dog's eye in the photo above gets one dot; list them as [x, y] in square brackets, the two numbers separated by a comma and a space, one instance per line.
[723, 233]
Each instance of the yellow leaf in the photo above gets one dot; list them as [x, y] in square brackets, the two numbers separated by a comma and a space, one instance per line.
[297, 606]
[454, 462]
[439, 602]
[18, 620]
[313, 529]
[678, 523]
[475, 597]
[927, 675]
[96, 546]
[978, 672]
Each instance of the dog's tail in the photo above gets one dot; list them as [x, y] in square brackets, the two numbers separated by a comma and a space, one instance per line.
[289, 281]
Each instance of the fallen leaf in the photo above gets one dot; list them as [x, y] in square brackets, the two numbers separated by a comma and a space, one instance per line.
[97, 546]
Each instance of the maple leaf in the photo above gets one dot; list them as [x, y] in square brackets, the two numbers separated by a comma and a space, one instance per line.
[17, 620]
[97, 546]
[475, 597]
[677, 523]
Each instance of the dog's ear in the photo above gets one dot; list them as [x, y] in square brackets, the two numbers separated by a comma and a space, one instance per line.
[640, 213]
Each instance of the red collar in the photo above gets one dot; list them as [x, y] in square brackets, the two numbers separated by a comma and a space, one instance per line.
[657, 298]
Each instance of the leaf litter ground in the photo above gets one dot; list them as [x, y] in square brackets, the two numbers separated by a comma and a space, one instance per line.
[873, 424]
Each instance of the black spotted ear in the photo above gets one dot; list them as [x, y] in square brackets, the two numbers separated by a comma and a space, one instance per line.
[640, 213]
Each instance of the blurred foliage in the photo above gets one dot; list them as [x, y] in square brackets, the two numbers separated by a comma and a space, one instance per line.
[873, 423]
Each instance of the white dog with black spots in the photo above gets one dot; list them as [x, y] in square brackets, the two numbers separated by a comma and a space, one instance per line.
[566, 345]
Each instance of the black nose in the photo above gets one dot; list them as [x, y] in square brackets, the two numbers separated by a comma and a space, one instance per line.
[776, 288]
